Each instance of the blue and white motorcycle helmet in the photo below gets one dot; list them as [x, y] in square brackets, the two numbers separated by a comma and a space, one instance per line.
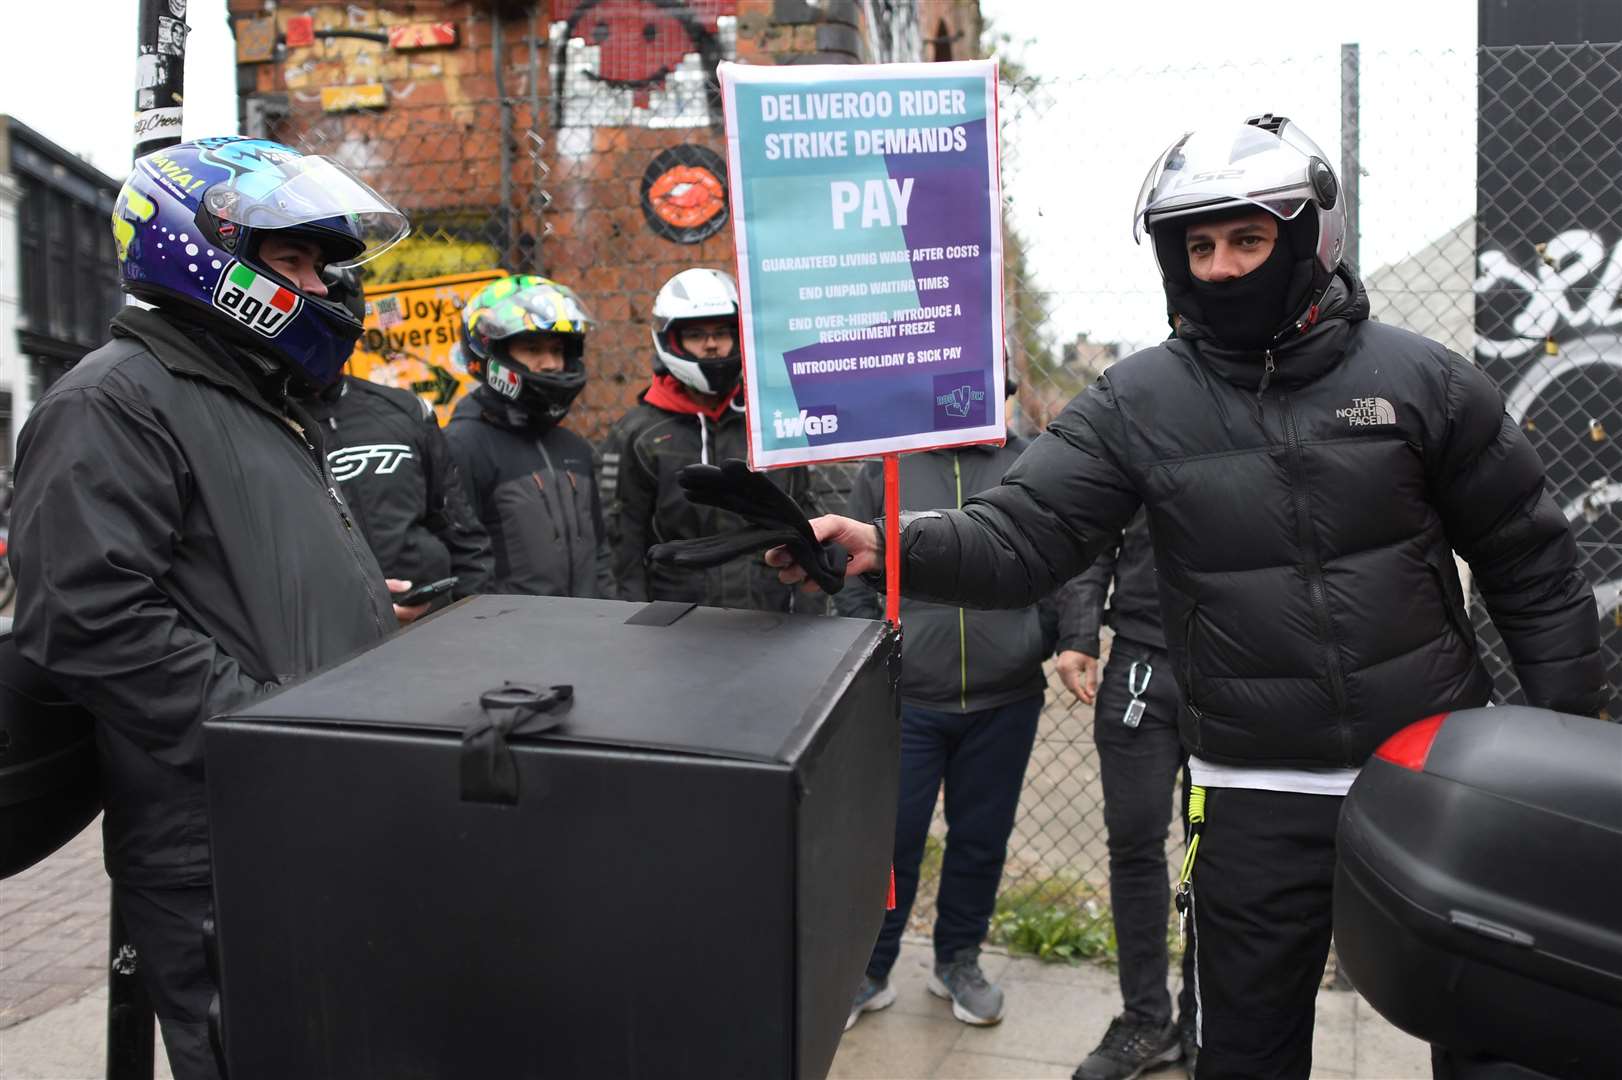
[189, 222]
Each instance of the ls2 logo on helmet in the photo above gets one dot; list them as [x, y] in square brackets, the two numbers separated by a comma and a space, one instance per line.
[255, 301]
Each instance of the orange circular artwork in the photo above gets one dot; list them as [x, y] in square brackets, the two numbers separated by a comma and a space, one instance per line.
[684, 193]
[687, 196]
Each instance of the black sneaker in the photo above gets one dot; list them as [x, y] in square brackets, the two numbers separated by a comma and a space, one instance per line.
[1128, 1049]
[1191, 1043]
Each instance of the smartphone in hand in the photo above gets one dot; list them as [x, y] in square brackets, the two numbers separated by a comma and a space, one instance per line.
[421, 594]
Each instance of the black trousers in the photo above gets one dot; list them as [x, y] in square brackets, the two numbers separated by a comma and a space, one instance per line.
[166, 928]
[1262, 891]
[981, 757]
[1138, 768]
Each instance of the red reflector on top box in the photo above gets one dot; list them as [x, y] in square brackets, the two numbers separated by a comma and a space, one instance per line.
[1412, 745]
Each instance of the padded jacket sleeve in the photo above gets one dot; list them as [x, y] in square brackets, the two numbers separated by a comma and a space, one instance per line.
[1061, 504]
[99, 507]
[1489, 485]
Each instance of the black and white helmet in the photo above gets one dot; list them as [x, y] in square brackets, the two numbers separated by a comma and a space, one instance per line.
[694, 295]
[1266, 162]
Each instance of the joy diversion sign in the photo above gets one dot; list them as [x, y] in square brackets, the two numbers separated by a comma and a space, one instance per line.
[869, 239]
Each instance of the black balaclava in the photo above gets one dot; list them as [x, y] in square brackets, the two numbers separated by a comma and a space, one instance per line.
[1247, 312]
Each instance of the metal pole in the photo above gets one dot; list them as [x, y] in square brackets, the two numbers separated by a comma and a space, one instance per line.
[160, 65]
[537, 227]
[499, 65]
[160, 80]
[1350, 171]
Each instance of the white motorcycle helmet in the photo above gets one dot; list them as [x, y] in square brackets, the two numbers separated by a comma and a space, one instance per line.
[690, 295]
[1268, 163]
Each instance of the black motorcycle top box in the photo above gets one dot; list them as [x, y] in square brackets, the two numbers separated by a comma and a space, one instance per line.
[683, 877]
[1476, 894]
[49, 787]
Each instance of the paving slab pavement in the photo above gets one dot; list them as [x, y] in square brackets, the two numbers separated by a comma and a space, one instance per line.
[53, 930]
[1055, 1016]
[53, 1003]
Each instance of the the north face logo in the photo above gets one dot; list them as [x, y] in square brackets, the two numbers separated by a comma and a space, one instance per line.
[1368, 412]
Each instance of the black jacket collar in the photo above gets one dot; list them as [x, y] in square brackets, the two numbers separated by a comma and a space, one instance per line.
[186, 348]
[1298, 360]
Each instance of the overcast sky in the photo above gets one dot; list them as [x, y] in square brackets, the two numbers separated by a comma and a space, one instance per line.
[1121, 81]
[1118, 82]
[78, 88]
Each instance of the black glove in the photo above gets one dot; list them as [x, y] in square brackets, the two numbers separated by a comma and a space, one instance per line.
[778, 521]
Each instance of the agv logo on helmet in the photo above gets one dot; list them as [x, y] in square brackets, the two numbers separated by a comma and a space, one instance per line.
[255, 301]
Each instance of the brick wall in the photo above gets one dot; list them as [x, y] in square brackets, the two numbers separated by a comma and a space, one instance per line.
[616, 101]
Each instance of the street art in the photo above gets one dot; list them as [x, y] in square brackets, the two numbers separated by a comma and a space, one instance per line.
[1549, 332]
[642, 63]
[1548, 294]
[684, 194]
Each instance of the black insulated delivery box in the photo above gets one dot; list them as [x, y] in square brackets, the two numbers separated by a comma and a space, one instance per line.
[683, 877]
[1478, 896]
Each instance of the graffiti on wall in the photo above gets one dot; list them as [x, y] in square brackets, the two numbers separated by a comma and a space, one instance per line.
[1548, 292]
[1551, 335]
[642, 63]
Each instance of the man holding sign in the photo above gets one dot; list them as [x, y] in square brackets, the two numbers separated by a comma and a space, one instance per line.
[1307, 474]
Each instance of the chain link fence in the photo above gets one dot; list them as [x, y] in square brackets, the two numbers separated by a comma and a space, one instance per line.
[1488, 201]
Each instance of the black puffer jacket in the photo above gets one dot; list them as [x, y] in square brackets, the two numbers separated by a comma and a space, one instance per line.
[1303, 535]
[640, 459]
[180, 549]
[954, 660]
[536, 495]
[1134, 604]
[390, 459]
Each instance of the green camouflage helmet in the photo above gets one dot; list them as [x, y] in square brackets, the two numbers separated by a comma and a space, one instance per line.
[520, 304]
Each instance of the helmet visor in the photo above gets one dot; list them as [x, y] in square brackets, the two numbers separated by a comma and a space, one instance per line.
[305, 190]
[1224, 167]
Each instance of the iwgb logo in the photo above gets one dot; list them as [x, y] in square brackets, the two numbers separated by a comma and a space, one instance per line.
[255, 301]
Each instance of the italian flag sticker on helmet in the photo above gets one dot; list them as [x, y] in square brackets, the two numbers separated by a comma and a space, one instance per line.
[255, 301]
[504, 379]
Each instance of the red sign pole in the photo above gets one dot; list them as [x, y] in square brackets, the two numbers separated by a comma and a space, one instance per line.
[892, 572]
[892, 539]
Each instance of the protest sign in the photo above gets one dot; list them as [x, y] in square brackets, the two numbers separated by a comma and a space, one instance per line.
[868, 226]
[412, 329]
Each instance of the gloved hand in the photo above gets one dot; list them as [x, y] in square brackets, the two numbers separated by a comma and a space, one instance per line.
[778, 520]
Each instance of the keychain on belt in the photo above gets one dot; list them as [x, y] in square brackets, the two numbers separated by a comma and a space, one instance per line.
[1137, 682]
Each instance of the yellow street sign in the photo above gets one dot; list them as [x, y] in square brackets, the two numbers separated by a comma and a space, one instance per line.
[411, 329]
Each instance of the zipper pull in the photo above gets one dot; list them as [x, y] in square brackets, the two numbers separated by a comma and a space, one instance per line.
[1261, 388]
[339, 503]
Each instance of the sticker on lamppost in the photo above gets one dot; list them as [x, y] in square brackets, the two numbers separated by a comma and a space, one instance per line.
[868, 225]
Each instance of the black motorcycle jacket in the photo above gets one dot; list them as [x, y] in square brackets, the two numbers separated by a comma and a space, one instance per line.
[390, 459]
[180, 549]
[535, 492]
